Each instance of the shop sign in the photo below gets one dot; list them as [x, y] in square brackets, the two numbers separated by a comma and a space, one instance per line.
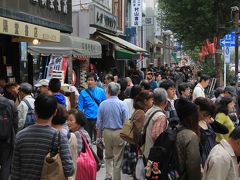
[59, 5]
[148, 21]
[22, 29]
[56, 14]
[136, 10]
[103, 19]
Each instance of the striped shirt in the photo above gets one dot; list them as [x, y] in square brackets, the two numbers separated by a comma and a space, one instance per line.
[31, 146]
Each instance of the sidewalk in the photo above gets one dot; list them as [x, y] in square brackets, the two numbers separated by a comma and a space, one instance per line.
[102, 171]
[101, 175]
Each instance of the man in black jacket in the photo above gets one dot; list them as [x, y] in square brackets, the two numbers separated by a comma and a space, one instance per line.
[8, 129]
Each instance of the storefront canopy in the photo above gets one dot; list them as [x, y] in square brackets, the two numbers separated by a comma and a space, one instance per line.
[69, 45]
[120, 42]
[123, 54]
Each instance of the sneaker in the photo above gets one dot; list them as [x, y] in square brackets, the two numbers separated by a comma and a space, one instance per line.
[102, 163]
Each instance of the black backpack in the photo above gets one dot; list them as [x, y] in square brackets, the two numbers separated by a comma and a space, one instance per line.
[165, 153]
[6, 121]
[30, 118]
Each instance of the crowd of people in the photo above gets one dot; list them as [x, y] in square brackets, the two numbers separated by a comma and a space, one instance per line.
[152, 104]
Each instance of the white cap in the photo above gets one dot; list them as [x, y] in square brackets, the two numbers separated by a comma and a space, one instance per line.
[42, 82]
[65, 87]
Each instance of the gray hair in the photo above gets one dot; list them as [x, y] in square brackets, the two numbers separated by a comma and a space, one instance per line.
[113, 88]
[159, 95]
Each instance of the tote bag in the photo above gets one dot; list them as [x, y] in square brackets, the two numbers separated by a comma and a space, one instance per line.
[86, 163]
[127, 131]
[52, 166]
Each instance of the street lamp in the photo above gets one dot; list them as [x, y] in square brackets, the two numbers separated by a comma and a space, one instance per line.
[166, 51]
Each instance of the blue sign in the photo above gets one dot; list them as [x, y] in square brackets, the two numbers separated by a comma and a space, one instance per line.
[227, 55]
[228, 42]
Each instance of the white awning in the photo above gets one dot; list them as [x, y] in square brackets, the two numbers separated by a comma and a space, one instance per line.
[120, 42]
[68, 45]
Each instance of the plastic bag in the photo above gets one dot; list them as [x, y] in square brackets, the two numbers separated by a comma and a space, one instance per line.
[140, 169]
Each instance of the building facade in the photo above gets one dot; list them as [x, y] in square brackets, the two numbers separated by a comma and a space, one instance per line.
[37, 20]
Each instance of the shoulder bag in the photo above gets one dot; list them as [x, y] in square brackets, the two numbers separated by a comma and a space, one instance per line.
[52, 166]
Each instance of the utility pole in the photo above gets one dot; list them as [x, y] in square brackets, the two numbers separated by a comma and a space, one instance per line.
[236, 9]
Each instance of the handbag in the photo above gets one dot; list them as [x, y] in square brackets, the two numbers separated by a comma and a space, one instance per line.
[98, 162]
[86, 163]
[52, 165]
[127, 131]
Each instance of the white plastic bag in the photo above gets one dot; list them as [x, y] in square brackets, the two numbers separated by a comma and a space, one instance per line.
[140, 169]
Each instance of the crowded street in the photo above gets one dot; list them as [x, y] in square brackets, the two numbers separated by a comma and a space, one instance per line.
[119, 90]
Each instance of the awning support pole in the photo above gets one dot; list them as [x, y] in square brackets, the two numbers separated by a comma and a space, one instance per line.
[69, 69]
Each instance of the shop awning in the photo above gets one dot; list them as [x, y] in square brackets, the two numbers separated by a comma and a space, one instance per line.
[120, 42]
[69, 45]
[123, 54]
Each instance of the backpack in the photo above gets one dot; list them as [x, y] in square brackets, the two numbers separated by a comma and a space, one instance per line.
[6, 121]
[30, 118]
[142, 137]
[164, 152]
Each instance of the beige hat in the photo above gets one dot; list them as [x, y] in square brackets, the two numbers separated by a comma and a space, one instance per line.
[65, 87]
[42, 82]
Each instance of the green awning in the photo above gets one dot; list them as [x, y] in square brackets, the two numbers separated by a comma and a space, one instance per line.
[120, 42]
[123, 54]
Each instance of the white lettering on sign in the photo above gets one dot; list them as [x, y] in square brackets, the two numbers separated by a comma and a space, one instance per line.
[58, 5]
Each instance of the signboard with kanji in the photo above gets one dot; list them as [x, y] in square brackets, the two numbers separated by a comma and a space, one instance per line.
[54, 14]
[136, 13]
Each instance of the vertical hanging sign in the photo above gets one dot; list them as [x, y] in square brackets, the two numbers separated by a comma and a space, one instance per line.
[136, 13]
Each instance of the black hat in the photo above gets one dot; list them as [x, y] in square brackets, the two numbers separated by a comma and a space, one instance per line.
[185, 108]
[26, 88]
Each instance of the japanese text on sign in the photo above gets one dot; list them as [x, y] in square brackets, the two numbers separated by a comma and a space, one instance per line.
[59, 5]
[136, 13]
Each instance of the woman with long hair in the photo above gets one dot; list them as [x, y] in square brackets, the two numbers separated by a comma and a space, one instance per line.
[187, 142]
[208, 126]
[142, 102]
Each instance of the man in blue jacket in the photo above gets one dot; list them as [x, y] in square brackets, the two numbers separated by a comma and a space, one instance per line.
[88, 102]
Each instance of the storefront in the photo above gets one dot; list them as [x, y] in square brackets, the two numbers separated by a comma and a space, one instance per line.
[20, 23]
[70, 56]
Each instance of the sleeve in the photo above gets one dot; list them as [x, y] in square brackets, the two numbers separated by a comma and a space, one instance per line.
[219, 128]
[22, 114]
[193, 159]
[138, 123]
[66, 158]
[15, 170]
[80, 101]
[99, 124]
[104, 97]
[159, 125]
[216, 168]
[15, 116]
[125, 113]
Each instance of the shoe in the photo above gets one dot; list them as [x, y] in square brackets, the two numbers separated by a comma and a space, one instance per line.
[108, 179]
[102, 163]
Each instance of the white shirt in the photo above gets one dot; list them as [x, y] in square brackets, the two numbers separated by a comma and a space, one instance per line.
[23, 109]
[198, 91]
[131, 109]
[221, 163]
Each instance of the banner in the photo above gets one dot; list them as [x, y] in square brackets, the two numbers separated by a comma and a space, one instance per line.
[136, 10]
[57, 63]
